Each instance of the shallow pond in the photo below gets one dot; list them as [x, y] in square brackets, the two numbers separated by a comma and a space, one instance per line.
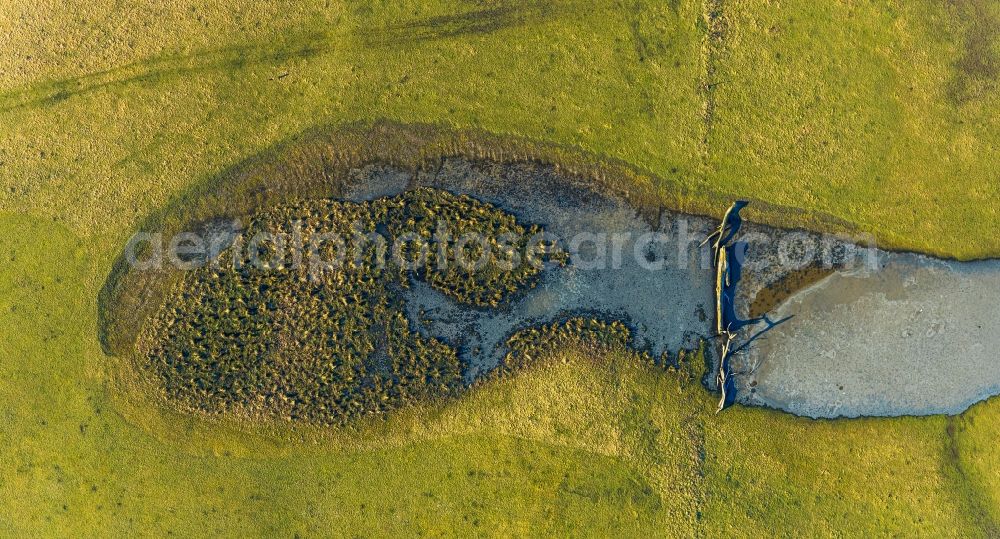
[917, 337]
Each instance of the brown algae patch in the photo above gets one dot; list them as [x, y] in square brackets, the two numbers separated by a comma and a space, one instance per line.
[771, 296]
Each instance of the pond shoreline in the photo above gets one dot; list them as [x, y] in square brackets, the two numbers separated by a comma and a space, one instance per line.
[665, 313]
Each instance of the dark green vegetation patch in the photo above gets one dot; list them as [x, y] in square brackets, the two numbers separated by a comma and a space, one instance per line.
[264, 331]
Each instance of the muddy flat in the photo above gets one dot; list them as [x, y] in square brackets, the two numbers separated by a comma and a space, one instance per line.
[915, 337]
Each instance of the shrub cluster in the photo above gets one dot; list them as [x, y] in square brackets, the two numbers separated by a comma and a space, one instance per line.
[281, 340]
[529, 345]
[500, 241]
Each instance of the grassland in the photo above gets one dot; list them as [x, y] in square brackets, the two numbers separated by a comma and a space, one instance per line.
[879, 116]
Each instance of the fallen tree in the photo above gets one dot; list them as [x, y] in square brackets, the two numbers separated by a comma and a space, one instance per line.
[727, 255]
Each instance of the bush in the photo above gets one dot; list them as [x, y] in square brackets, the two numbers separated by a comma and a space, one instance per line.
[283, 339]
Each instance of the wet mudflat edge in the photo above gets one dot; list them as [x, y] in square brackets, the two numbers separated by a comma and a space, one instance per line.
[666, 310]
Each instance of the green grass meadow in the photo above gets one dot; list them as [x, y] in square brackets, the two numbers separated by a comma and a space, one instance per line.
[872, 117]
